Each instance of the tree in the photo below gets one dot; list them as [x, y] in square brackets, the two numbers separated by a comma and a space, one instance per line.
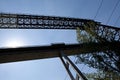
[107, 60]
[101, 75]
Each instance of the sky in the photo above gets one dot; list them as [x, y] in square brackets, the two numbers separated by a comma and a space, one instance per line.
[48, 69]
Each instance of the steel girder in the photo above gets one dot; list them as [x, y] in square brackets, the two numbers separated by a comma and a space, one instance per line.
[41, 52]
[21, 21]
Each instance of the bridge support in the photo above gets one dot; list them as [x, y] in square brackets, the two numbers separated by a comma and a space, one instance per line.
[67, 62]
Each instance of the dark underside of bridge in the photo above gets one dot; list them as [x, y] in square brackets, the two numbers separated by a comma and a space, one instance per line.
[107, 38]
[41, 52]
[21, 21]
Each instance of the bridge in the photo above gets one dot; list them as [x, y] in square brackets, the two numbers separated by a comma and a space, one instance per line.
[106, 36]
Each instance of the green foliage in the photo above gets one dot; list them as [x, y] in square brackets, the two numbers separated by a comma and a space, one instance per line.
[101, 75]
[107, 60]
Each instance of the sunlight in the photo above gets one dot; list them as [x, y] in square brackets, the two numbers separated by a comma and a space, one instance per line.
[14, 43]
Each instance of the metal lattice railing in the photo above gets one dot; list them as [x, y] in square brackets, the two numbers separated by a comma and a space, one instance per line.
[97, 33]
[21, 21]
[39, 22]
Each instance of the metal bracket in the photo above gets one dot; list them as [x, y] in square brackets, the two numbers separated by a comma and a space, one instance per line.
[67, 62]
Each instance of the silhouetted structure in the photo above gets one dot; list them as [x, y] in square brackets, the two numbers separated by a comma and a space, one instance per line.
[99, 38]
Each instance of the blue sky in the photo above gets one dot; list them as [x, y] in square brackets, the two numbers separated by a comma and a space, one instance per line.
[48, 69]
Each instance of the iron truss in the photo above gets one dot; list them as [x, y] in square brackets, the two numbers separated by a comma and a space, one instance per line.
[18, 21]
[21, 21]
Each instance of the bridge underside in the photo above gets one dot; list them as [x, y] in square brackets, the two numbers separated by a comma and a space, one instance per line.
[22, 21]
[106, 38]
[41, 52]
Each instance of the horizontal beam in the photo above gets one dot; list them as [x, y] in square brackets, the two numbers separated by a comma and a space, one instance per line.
[41, 52]
[22, 21]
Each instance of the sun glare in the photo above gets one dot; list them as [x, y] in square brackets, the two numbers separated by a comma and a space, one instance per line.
[14, 44]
